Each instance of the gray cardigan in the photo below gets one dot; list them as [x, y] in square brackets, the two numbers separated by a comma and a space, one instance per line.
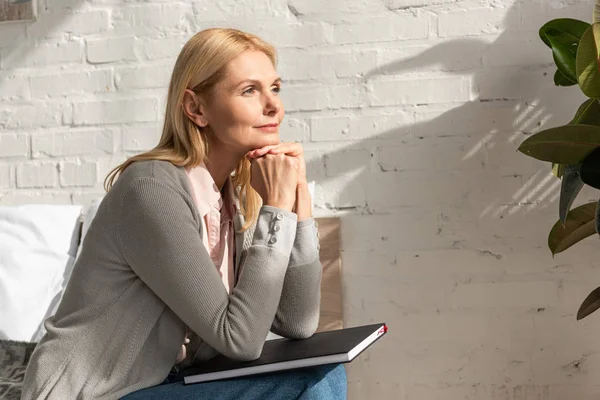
[143, 275]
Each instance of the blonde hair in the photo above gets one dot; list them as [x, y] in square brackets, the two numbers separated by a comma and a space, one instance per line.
[201, 63]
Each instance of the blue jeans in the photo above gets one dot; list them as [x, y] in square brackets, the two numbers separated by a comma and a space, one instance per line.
[315, 383]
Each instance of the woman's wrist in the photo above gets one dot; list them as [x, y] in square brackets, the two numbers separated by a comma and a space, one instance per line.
[303, 206]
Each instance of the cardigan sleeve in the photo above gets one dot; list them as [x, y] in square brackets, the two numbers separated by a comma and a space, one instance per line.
[159, 238]
[298, 313]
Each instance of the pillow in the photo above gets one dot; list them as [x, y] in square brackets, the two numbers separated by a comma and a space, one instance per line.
[37, 248]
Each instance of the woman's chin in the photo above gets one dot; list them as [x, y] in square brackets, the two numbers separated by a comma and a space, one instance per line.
[269, 140]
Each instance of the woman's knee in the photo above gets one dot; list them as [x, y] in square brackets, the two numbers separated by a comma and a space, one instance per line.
[327, 382]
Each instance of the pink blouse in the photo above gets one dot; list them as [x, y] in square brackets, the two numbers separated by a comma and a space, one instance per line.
[218, 211]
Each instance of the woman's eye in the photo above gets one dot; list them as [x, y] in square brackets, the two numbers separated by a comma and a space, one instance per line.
[277, 89]
[250, 90]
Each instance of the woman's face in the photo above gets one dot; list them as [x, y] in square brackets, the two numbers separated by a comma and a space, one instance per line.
[244, 110]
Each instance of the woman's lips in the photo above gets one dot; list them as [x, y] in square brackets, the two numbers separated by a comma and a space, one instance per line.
[269, 127]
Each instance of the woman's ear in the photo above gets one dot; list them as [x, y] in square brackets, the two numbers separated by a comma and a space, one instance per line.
[192, 105]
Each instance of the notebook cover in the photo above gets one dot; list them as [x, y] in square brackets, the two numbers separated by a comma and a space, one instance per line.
[340, 341]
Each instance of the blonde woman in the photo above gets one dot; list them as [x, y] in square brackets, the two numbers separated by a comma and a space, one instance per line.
[202, 246]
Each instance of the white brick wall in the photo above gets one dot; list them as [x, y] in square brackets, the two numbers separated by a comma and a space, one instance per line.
[410, 112]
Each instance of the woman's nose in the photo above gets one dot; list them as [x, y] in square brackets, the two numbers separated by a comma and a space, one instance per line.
[272, 105]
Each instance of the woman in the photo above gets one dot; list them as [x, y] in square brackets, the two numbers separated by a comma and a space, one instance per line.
[181, 251]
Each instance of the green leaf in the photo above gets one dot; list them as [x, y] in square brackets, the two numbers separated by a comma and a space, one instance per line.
[580, 224]
[569, 189]
[588, 113]
[588, 62]
[589, 305]
[564, 58]
[568, 144]
[561, 80]
[590, 169]
[565, 30]
[558, 170]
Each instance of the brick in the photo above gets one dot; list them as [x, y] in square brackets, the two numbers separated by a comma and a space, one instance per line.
[151, 17]
[101, 51]
[342, 162]
[33, 114]
[304, 98]
[302, 65]
[79, 24]
[341, 192]
[66, 144]
[449, 392]
[472, 118]
[467, 22]
[14, 88]
[294, 130]
[68, 84]
[379, 232]
[458, 331]
[345, 96]
[313, 98]
[315, 164]
[293, 35]
[359, 263]
[85, 197]
[577, 10]
[150, 49]
[117, 111]
[6, 177]
[517, 49]
[387, 190]
[505, 294]
[353, 127]
[403, 4]
[140, 138]
[63, 5]
[36, 175]
[433, 154]
[307, 7]
[453, 55]
[419, 91]
[106, 164]
[41, 56]
[514, 83]
[375, 291]
[472, 265]
[580, 392]
[77, 174]
[401, 26]
[154, 76]
[14, 145]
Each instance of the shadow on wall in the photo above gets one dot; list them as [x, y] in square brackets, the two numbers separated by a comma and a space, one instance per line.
[19, 40]
[510, 84]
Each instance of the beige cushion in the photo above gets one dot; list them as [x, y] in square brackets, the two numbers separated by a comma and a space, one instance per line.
[331, 285]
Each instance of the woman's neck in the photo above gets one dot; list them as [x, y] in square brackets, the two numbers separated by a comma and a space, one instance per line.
[221, 163]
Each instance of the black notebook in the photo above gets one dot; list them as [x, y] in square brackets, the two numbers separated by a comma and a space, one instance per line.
[331, 347]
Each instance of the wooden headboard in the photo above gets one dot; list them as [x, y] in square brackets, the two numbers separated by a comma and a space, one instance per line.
[331, 285]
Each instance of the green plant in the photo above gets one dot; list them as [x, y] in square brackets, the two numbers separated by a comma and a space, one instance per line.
[574, 148]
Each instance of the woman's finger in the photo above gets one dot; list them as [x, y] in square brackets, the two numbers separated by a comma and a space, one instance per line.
[291, 148]
[259, 152]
